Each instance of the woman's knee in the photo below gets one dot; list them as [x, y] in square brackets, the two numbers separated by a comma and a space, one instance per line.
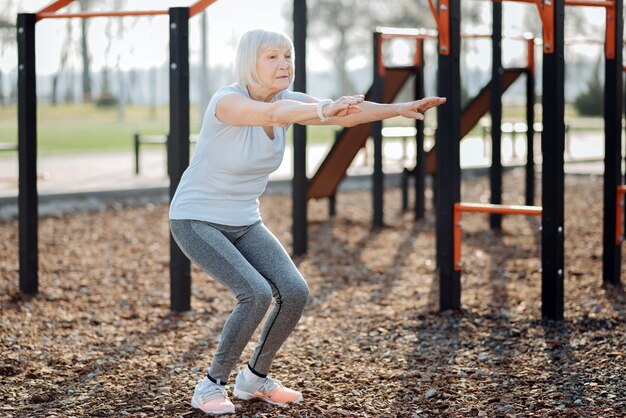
[260, 297]
[298, 294]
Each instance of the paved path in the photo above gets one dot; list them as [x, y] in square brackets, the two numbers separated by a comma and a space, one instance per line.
[115, 171]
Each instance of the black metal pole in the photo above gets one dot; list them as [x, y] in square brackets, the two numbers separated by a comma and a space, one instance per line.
[530, 136]
[332, 200]
[27, 154]
[448, 177]
[377, 137]
[552, 189]
[136, 146]
[495, 171]
[419, 170]
[613, 91]
[178, 146]
[299, 181]
[404, 187]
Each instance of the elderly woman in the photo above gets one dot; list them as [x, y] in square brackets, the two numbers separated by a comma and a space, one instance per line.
[215, 219]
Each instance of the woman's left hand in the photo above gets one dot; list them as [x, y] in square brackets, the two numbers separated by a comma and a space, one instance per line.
[416, 109]
[343, 106]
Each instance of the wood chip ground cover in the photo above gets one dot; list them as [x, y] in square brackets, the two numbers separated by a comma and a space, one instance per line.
[99, 339]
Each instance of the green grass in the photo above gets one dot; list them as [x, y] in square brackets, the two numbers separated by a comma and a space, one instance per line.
[84, 128]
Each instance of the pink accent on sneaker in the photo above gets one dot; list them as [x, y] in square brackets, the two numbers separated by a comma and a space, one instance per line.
[213, 400]
[271, 391]
[217, 406]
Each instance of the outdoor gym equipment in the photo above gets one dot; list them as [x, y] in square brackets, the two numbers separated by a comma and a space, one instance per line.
[448, 15]
[178, 145]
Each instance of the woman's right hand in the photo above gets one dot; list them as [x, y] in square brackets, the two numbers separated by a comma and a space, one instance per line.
[343, 106]
[416, 109]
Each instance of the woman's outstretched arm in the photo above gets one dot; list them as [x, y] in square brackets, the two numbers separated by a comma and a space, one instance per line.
[237, 109]
[371, 111]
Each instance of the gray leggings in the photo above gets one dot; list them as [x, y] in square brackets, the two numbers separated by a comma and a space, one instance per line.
[252, 263]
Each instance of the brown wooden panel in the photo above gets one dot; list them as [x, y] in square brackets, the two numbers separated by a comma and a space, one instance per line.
[475, 110]
[333, 169]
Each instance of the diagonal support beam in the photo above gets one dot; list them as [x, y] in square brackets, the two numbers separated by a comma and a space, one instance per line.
[54, 6]
[199, 6]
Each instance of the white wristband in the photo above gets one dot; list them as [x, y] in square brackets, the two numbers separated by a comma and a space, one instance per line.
[320, 108]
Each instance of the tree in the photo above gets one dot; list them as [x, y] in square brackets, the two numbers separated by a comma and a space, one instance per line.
[86, 58]
[343, 28]
[591, 101]
[62, 62]
[7, 37]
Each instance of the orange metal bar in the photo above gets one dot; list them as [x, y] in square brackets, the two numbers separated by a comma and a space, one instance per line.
[381, 64]
[485, 208]
[87, 15]
[433, 10]
[592, 3]
[457, 237]
[619, 215]
[546, 12]
[390, 36]
[444, 31]
[417, 57]
[500, 209]
[199, 6]
[54, 6]
[609, 40]
[442, 20]
[48, 12]
[419, 40]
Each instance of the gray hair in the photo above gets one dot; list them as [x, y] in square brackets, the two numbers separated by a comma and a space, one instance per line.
[250, 45]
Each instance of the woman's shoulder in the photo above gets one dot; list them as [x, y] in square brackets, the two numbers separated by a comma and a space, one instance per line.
[231, 88]
[225, 91]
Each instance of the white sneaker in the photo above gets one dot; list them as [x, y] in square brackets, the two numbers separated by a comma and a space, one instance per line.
[266, 389]
[212, 399]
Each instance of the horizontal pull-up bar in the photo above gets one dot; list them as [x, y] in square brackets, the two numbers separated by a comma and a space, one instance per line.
[199, 6]
[88, 15]
[498, 209]
[49, 12]
[546, 13]
[390, 33]
[485, 208]
[589, 3]
[381, 37]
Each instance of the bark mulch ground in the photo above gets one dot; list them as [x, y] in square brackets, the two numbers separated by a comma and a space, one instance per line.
[99, 339]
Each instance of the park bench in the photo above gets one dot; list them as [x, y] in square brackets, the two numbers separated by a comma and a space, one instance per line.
[519, 128]
[8, 147]
[404, 133]
[139, 139]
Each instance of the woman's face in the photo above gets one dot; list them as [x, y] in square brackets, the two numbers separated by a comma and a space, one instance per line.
[275, 67]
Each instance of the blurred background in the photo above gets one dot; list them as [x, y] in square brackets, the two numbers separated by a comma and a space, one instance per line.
[102, 79]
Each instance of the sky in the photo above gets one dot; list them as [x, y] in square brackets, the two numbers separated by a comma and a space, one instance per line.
[145, 42]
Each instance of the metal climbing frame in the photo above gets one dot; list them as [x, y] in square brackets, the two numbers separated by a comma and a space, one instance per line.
[178, 146]
[551, 12]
